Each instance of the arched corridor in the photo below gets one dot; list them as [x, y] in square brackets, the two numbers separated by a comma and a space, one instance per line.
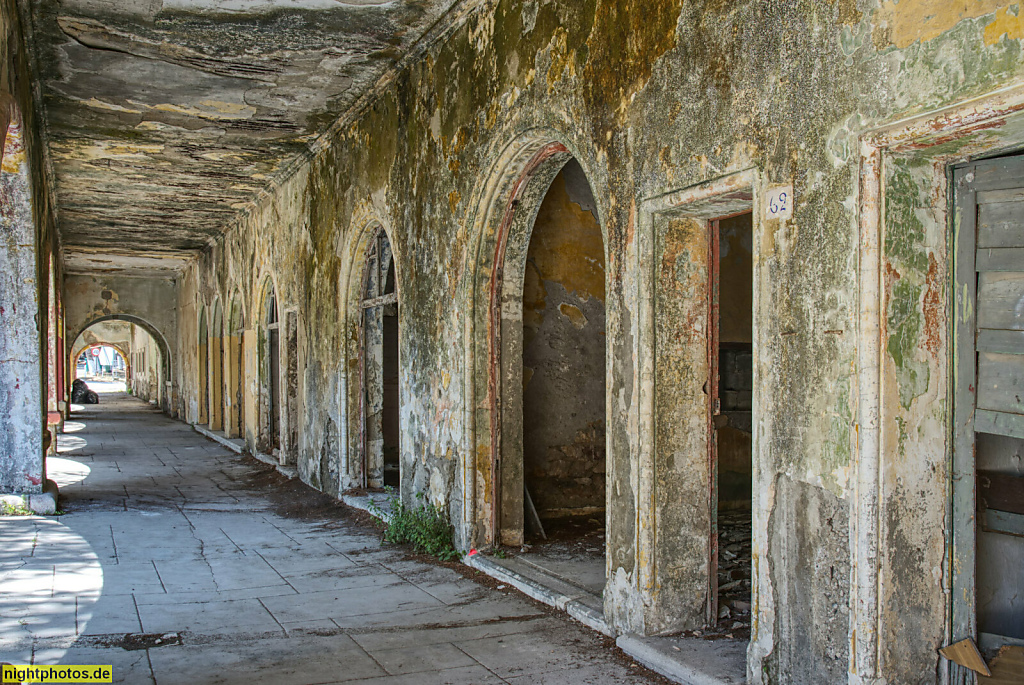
[699, 321]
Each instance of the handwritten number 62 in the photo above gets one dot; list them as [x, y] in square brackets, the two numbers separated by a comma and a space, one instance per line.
[778, 203]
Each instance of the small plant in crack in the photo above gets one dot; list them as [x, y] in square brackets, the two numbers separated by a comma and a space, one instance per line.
[424, 526]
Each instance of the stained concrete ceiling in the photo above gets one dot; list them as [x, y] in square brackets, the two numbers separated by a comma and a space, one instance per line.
[167, 117]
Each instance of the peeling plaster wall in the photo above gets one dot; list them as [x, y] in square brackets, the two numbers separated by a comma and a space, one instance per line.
[29, 250]
[653, 100]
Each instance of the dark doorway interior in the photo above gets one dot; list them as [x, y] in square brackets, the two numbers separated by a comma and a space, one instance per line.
[732, 419]
[390, 418]
[564, 385]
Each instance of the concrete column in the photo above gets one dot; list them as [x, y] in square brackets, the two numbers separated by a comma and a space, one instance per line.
[21, 371]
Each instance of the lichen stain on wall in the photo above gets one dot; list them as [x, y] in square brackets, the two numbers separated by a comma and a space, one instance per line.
[626, 41]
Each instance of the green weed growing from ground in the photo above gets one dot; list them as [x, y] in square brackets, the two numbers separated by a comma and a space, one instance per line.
[424, 526]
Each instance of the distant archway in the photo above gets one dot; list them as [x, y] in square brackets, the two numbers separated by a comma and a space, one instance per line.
[150, 377]
[120, 349]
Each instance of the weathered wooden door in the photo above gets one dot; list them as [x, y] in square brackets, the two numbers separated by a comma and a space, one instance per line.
[988, 475]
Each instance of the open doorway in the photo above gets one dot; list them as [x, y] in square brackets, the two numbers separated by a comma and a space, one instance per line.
[380, 386]
[216, 375]
[563, 386]
[270, 374]
[235, 372]
[203, 364]
[730, 353]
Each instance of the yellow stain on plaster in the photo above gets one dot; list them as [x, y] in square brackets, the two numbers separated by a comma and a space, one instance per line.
[562, 59]
[906, 22]
[120, 150]
[453, 200]
[210, 109]
[96, 103]
[12, 162]
[482, 32]
[221, 156]
[575, 316]
[569, 245]
[446, 379]
[1009, 22]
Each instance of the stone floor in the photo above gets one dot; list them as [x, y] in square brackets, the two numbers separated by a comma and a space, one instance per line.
[174, 563]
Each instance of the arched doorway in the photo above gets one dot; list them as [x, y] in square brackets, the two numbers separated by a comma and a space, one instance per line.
[216, 374]
[203, 368]
[379, 368]
[539, 371]
[550, 344]
[270, 373]
[234, 371]
[103, 364]
[563, 368]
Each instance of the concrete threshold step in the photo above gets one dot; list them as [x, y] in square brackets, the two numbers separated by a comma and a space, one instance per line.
[545, 587]
[690, 660]
[374, 504]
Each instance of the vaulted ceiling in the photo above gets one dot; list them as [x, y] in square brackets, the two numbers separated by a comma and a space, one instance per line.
[167, 117]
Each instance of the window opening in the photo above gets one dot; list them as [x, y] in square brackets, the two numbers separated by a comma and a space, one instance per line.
[380, 367]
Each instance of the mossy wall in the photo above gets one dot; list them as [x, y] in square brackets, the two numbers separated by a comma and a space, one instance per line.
[650, 99]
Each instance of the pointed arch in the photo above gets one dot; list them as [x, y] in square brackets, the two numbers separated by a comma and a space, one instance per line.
[215, 343]
[371, 285]
[506, 206]
[268, 328]
[234, 369]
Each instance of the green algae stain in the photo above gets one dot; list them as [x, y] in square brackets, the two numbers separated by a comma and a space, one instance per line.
[904, 238]
[905, 322]
[905, 250]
